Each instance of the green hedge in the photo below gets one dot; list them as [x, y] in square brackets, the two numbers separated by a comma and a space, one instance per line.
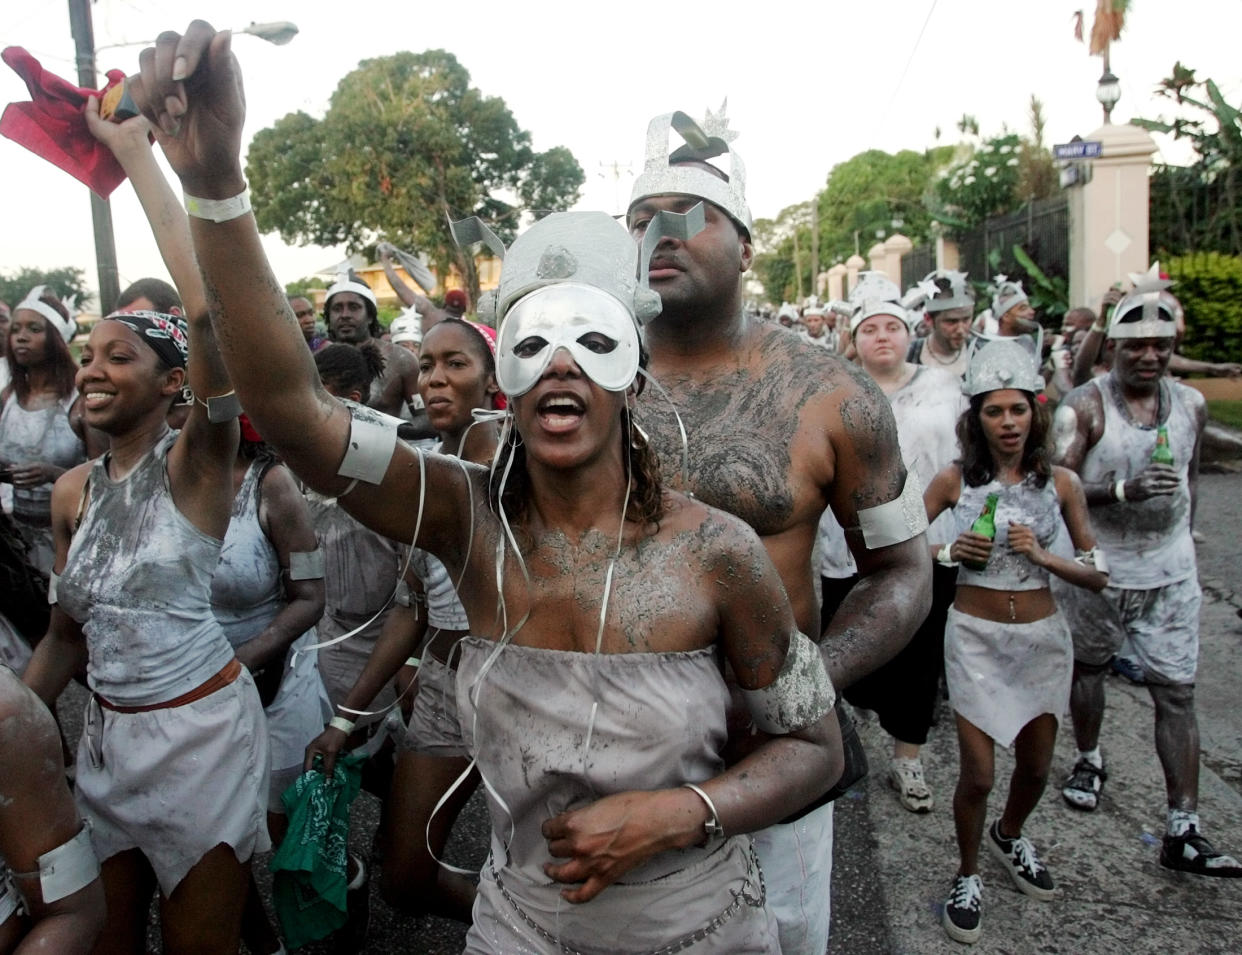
[1209, 286]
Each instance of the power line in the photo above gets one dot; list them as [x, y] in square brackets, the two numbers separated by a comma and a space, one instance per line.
[910, 59]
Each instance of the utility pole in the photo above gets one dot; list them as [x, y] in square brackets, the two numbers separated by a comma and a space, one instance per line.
[815, 246]
[797, 262]
[101, 211]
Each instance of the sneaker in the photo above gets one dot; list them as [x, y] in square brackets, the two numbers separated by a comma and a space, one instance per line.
[1018, 856]
[1190, 852]
[1082, 787]
[963, 912]
[906, 776]
[1129, 669]
[351, 937]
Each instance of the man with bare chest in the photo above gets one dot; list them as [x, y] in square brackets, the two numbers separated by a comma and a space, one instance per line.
[1133, 436]
[778, 430]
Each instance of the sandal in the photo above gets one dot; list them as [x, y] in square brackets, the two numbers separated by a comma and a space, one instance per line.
[1082, 787]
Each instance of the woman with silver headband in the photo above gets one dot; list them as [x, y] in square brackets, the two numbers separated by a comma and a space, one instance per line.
[1008, 655]
[38, 442]
[173, 761]
[590, 693]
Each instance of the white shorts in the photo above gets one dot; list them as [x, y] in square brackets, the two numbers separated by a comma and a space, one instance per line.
[797, 869]
[433, 729]
[177, 782]
[295, 717]
[1162, 625]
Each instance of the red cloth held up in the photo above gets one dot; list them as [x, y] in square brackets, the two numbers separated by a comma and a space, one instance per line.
[52, 124]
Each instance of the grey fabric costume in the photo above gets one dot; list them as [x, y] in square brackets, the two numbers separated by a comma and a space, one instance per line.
[660, 723]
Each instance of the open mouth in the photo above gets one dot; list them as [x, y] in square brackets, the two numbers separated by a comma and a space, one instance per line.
[560, 412]
[97, 399]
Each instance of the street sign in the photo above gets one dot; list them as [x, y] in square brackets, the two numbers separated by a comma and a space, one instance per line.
[1084, 149]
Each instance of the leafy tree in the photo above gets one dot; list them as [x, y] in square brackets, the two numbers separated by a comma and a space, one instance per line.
[302, 287]
[406, 145]
[65, 282]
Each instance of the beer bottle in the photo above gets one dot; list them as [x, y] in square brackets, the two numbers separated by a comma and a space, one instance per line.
[1162, 454]
[984, 526]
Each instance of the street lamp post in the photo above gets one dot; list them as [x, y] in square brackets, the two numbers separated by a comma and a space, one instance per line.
[279, 32]
[1108, 90]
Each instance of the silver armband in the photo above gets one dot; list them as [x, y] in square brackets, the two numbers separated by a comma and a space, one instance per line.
[1093, 558]
[799, 696]
[372, 442]
[67, 868]
[53, 583]
[899, 520]
[306, 564]
[221, 408]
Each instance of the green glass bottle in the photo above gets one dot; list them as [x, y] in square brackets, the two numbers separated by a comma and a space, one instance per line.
[984, 526]
[1162, 454]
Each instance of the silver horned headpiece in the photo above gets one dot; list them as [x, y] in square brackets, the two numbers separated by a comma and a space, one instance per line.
[673, 173]
[997, 363]
[1149, 311]
[952, 291]
[1005, 295]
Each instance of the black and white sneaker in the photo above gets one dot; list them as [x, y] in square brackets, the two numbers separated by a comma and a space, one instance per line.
[1191, 852]
[1018, 857]
[963, 912]
[1082, 787]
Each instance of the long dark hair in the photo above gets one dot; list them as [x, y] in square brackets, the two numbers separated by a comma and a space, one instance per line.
[349, 368]
[56, 354]
[976, 460]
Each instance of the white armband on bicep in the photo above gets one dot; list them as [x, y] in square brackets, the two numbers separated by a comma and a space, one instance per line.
[372, 443]
[800, 695]
[53, 584]
[67, 868]
[1093, 558]
[899, 520]
[306, 564]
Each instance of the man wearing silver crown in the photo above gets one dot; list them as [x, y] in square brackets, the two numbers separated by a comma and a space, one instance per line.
[950, 303]
[1133, 435]
[778, 431]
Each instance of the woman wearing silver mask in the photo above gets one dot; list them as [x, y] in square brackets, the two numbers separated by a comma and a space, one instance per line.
[590, 694]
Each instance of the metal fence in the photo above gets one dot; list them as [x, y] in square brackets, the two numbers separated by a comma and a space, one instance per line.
[1195, 212]
[916, 263]
[1041, 228]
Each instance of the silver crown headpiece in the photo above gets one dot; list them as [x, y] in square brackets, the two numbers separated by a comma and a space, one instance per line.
[1148, 311]
[997, 363]
[952, 291]
[1005, 295]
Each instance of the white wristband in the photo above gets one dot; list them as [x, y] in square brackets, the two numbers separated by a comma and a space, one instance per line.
[342, 724]
[218, 210]
[944, 556]
[1119, 491]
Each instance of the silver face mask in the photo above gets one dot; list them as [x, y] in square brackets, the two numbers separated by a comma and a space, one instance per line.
[593, 326]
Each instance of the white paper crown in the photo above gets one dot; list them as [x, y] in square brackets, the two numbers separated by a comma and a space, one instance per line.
[1005, 295]
[997, 363]
[952, 291]
[666, 173]
[875, 294]
[1149, 311]
[66, 328]
[344, 283]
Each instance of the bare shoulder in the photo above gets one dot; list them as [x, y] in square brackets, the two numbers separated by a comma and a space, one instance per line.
[1084, 401]
[68, 487]
[1066, 481]
[1192, 398]
[716, 535]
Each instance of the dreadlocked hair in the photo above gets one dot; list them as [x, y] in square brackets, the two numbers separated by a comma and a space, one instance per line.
[642, 464]
[976, 462]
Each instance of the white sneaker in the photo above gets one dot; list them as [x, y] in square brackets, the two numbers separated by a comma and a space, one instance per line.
[905, 774]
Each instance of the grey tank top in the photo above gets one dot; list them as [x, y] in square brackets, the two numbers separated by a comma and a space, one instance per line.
[1148, 543]
[138, 579]
[1038, 508]
[246, 591]
[42, 435]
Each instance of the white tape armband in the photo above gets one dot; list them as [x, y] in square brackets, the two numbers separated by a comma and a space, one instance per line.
[10, 901]
[372, 442]
[799, 696]
[899, 520]
[306, 564]
[67, 868]
[221, 408]
[401, 596]
[53, 582]
[1093, 558]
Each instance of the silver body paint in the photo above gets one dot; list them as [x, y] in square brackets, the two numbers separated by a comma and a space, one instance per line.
[799, 696]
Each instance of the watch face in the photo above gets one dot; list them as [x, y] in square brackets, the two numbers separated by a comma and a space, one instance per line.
[598, 331]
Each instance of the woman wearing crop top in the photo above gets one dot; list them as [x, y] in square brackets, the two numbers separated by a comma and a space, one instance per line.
[173, 762]
[1008, 656]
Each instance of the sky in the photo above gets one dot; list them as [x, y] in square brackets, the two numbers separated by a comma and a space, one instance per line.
[808, 85]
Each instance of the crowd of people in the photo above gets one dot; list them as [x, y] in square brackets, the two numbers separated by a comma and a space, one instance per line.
[612, 545]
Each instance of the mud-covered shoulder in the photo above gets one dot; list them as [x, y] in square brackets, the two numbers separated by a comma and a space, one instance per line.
[725, 546]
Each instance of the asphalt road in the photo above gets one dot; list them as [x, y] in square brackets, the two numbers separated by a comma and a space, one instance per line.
[892, 869]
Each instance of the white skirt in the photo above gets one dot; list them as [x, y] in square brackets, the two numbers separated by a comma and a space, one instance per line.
[301, 708]
[1003, 675]
[175, 783]
[434, 729]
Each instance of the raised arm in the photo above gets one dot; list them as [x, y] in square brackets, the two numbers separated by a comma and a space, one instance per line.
[38, 816]
[191, 87]
[893, 595]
